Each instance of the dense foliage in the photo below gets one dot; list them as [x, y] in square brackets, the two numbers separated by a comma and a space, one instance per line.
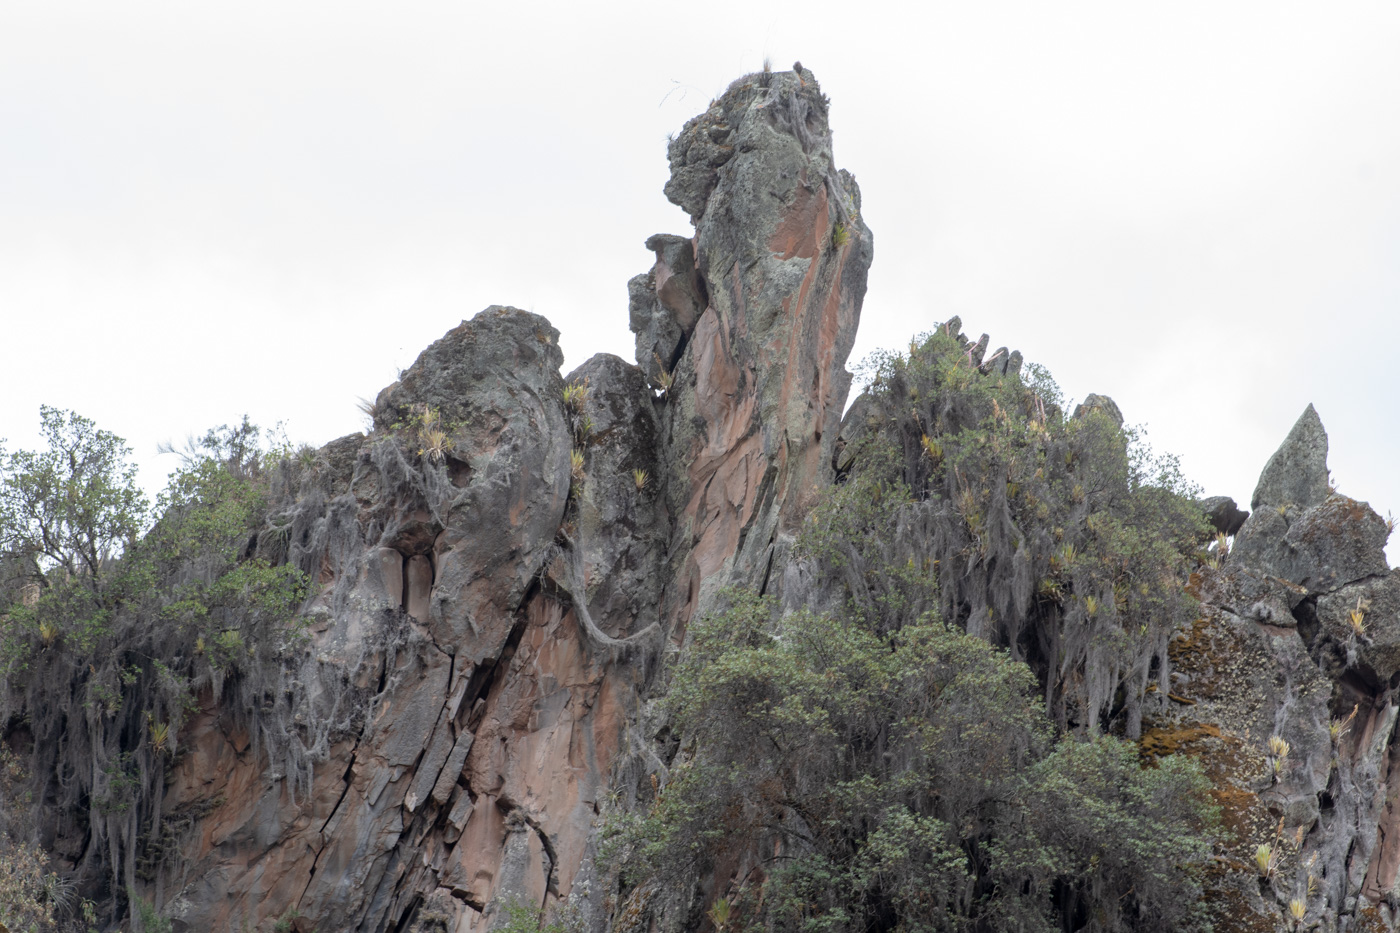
[833, 778]
[112, 638]
[1062, 539]
[924, 738]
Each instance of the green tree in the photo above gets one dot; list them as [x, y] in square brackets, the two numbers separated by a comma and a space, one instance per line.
[842, 780]
[109, 634]
[927, 745]
[70, 508]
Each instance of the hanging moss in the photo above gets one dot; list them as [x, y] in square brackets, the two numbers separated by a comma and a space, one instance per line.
[1062, 539]
[103, 669]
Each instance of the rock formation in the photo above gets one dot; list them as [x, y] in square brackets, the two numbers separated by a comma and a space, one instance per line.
[505, 560]
[491, 609]
[1285, 688]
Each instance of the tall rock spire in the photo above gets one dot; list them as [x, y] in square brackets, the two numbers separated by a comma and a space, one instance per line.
[780, 256]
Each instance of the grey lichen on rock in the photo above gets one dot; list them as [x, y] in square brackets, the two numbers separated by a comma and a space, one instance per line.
[1296, 475]
[1101, 403]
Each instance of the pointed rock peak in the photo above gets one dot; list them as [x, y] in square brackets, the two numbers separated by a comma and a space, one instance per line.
[755, 112]
[1296, 475]
[1103, 403]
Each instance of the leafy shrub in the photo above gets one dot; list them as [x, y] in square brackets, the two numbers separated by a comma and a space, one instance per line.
[853, 780]
[1062, 539]
[31, 896]
[110, 635]
[925, 745]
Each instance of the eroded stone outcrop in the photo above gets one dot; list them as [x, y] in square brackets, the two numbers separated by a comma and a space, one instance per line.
[756, 396]
[499, 568]
[1284, 688]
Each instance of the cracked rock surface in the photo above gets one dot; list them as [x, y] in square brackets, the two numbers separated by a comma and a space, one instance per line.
[500, 569]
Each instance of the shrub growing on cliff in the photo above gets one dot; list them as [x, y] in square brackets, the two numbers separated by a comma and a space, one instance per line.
[833, 777]
[1063, 539]
[871, 767]
[110, 638]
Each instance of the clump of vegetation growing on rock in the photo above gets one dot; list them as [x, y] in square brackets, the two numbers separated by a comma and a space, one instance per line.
[1064, 540]
[838, 776]
[934, 739]
[115, 633]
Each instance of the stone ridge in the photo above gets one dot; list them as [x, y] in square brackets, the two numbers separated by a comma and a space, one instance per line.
[500, 569]
[502, 564]
[1285, 690]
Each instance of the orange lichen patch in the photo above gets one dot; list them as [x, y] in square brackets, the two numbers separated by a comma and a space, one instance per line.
[1241, 815]
[1160, 741]
[1192, 652]
[1223, 759]
[1369, 920]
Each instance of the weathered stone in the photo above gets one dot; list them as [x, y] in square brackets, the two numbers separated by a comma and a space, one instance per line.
[679, 287]
[996, 363]
[978, 349]
[1100, 403]
[622, 520]
[1333, 543]
[1363, 618]
[476, 700]
[1326, 546]
[1259, 542]
[1223, 514]
[783, 253]
[658, 333]
[1295, 478]
[447, 779]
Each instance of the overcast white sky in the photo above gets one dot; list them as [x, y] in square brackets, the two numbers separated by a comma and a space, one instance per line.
[210, 209]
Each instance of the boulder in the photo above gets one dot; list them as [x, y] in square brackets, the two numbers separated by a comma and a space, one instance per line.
[1327, 546]
[1101, 403]
[1223, 514]
[1374, 639]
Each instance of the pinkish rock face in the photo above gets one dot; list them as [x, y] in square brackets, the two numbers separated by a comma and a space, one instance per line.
[490, 616]
[500, 571]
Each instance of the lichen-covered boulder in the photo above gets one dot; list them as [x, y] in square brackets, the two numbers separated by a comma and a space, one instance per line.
[1102, 403]
[1295, 477]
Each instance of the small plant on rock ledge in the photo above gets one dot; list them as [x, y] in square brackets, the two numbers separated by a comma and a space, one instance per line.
[1356, 618]
[664, 379]
[1264, 859]
[436, 445]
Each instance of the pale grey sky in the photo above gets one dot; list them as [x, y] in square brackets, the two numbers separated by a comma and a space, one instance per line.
[207, 209]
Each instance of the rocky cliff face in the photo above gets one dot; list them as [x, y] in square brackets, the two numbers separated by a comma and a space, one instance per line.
[500, 567]
[505, 558]
[1285, 688]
